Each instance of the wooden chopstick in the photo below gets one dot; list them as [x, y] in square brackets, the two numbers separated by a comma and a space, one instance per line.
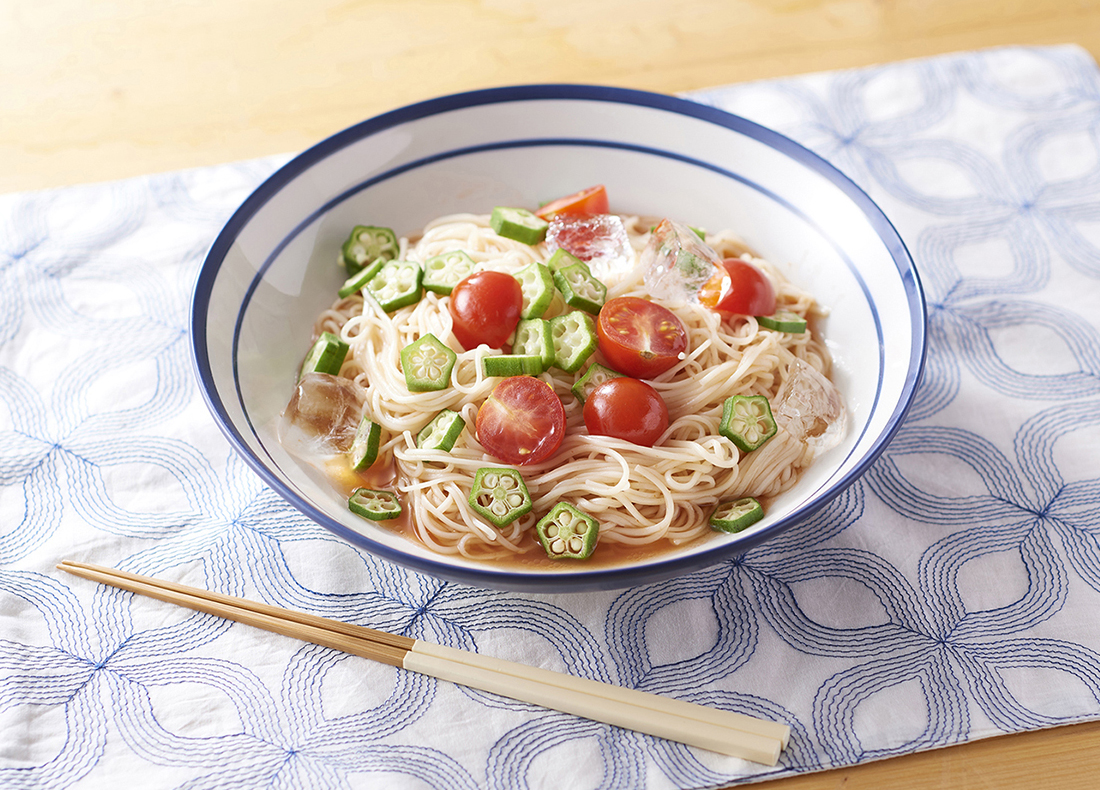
[720, 731]
[270, 618]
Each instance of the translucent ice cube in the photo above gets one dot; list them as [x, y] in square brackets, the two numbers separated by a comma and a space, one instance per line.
[598, 239]
[809, 407]
[322, 416]
[676, 263]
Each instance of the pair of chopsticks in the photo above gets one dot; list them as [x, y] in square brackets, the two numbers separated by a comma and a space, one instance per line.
[724, 732]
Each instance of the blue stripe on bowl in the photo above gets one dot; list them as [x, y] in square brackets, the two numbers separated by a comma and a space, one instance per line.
[603, 578]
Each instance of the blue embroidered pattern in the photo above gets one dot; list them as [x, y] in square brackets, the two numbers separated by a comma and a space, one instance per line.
[937, 600]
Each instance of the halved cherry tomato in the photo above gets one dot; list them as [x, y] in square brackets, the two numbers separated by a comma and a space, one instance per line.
[741, 289]
[485, 309]
[588, 201]
[627, 409]
[640, 338]
[522, 421]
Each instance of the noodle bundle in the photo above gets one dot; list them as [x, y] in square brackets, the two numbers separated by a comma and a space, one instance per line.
[639, 495]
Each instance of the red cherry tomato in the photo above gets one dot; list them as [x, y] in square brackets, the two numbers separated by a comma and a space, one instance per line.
[522, 421]
[640, 338]
[741, 289]
[588, 201]
[485, 309]
[626, 409]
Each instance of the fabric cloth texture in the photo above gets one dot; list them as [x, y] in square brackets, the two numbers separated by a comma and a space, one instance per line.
[949, 595]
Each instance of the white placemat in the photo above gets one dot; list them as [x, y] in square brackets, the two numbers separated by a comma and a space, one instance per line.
[951, 594]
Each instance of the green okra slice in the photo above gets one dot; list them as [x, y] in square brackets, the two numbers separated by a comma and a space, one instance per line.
[574, 336]
[442, 432]
[533, 336]
[567, 534]
[562, 258]
[783, 321]
[374, 504]
[327, 355]
[596, 375]
[500, 495]
[443, 272]
[368, 243]
[736, 515]
[355, 283]
[747, 421]
[505, 365]
[579, 288]
[537, 284]
[364, 447]
[518, 224]
[427, 364]
[396, 285]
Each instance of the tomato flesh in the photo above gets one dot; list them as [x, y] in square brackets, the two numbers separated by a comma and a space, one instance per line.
[485, 308]
[627, 409]
[588, 201]
[740, 289]
[640, 338]
[522, 421]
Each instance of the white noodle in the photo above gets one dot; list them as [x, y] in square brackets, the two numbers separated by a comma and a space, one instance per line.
[639, 495]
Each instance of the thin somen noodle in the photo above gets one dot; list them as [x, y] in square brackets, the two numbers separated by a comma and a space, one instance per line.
[639, 495]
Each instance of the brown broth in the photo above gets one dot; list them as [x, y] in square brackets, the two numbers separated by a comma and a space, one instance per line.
[607, 554]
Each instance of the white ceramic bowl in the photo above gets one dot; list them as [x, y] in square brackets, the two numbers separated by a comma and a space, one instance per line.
[271, 271]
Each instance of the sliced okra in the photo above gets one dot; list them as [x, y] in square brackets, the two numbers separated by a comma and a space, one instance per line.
[518, 224]
[562, 258]
[736, 515]
[783, 321]
[747, 421]
[374, 504]
[443, 272]
[442, 432]
[500, 495]
[533, 336]
[574, 336]
[596, 375]
[355, 283]
[368, 243]
[364, 447]
[567, 534]
[537, 284]
[505, 365]
[427, 364]
[327, 355]
[396, 285]
[579, 288]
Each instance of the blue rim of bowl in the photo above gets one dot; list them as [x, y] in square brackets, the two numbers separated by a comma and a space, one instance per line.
[605, 577]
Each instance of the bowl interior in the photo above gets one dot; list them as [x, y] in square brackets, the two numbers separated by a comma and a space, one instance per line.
[272, 270]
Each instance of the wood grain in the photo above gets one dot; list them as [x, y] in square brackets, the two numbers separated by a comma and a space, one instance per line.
[92, 91]
[1062, 758]
[114, 88]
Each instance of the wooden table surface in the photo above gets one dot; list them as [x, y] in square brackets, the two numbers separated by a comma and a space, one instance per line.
[100, 90]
